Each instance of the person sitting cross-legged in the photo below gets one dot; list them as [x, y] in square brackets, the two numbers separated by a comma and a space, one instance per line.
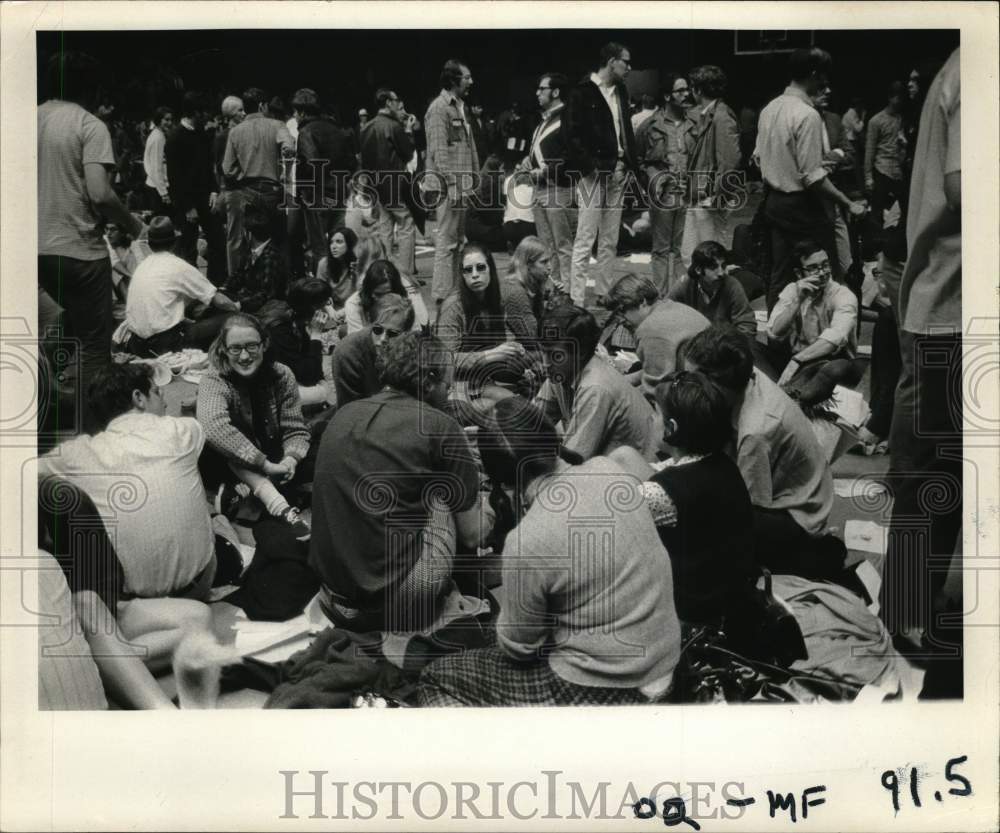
[812, 330]
[264, 275]
[396, 491]
[587, 616]
[716, 294]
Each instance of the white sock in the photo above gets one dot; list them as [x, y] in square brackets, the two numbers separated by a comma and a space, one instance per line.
[274, 502]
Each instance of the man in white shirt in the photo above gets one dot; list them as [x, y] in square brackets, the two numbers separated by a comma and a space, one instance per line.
[600, 149]
[141, 472]
[162, 286]
[154, 160]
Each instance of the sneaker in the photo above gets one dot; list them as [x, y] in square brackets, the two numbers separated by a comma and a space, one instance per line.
[300, 527]
[227, 501]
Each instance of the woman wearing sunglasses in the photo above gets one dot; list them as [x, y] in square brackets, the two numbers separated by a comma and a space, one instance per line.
[249, 407]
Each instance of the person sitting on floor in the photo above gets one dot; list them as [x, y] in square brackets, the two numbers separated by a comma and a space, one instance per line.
[578, 626]
[597, 406]
[785, 470]
[295, 333]
[660, 327]
[396, 490]
[812, 330]
[380, 279]
[264, 276]
[531, 269]
[713, 563]
[161, 288]
[141, 472]
[250, 410]
[711, 290]
[355, 361]
[337, 268]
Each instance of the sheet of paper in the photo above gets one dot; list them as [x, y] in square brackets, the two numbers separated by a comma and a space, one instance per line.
[866, 536]
[857, 488]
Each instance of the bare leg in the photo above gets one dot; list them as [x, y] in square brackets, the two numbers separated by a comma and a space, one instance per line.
[157, 625]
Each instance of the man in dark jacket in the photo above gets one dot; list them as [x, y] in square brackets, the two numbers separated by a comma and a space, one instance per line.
[716, 185]
[600, 149]
[386, 149]
[188, 155]
[324, 162]
[555, 214]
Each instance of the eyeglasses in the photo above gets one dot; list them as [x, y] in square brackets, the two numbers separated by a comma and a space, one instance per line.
[817, 269]
[388, 332]
[474, 268]
[543, 88]
[252, 348]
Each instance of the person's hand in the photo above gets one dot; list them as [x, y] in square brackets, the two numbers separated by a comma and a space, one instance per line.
[317, 324]
[288, 464]
[274, 470]
[790, 370]
[509, 351]
[166, 199]
[857, 209]
[212, 198]
[191, 215]
[807, 286]
[140, 230]
[869, 184]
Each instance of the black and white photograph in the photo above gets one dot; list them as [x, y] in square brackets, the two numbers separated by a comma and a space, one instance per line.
[609, 360]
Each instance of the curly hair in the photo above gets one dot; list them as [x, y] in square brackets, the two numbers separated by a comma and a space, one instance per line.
[705, 255]
[709, 80]
[109, 393]
[411, 360]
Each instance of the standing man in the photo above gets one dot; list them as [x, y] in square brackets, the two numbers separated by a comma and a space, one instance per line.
[554, 213]
[926, 433]
[386, 148]
[325, 161]
[189, 171]
[452, 166]
[663, 144]
[232, 114]
[600, 148]
[713, 164]
[75, 199]
[885, 151]
[797, 184]
[154, 161]
[255, 152]
[839, 160]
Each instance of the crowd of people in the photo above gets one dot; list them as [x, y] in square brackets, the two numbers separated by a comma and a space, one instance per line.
[552, 447]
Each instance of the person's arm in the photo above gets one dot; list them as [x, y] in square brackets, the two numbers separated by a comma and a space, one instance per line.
[105, 200]
[286, 144]
[294, 434]
[953, 158]
[223, 302]
[727, 143]
[402, 143]
[574, 118]
[842, 326]
[220, 433]
[436, 130]
[588, 425]
[158, 174]
[659, 357]
[354, 315]
[779, 325]
[546, 400]
[230, 163]
[871, 144]
[754, 461]
[123, 672]
[524, 625]
[473, 526]
[741, 315]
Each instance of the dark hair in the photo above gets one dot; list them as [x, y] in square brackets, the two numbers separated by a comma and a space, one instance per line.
[383, 95]
[160, 113]
[804, 62]
[648, 101]
[557, 81]
[190, 104]
[804, 249]
[524, 444]
[611, 50]
[72, 76]
[253, 98]
[218, 358]
[276, 108]
[307, 296]
[306, 101]
[696, 415]
[571, 325]
[709, 79]
[451, 73]
[338, 267]
[381, 272]
[723, 354]
[896, 88]
[484, 320]
[706, 254]
[411, 360]
[109, 393]
[257, 222]
[629, 291]
[667, 84]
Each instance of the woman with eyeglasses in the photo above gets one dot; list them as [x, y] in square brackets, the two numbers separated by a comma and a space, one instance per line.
[250, 409]
[380, 279]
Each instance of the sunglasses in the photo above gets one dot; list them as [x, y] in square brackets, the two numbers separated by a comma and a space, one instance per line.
[388, 332]
[474, 268]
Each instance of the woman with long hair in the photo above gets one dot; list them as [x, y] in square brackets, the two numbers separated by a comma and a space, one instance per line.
[531, 270]
[338, 267]
[249, 407]
[382, 278]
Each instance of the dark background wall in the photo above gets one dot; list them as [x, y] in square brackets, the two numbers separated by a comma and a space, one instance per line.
[151, 68]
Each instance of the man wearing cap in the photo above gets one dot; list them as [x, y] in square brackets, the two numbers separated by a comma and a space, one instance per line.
[162, 286]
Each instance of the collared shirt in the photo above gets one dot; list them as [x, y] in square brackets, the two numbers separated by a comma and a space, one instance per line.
[779, 457]
[664, 142]
[551, 121]
[833, 317]
[790, 142]
[610, 93]
[161, 287]
[884, 145]
[141, 472]
[256, 147]
[154, 161]
[639, 118]
[600, 412]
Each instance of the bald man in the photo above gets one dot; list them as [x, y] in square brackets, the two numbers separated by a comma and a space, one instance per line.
[232, 114]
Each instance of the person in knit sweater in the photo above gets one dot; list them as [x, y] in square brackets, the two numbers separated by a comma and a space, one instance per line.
[250, 410]
[589, 615]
